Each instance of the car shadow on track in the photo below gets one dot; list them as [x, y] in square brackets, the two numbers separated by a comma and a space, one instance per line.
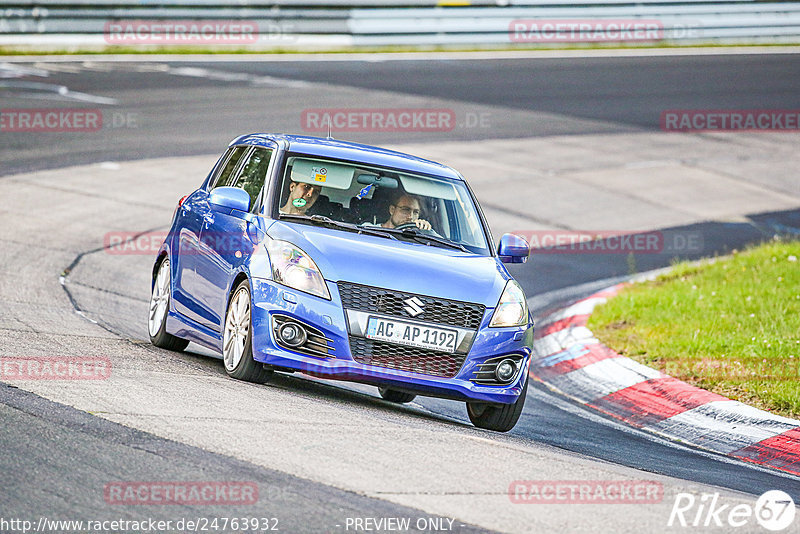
[341, 392]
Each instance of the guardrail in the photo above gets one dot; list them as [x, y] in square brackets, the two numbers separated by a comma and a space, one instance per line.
[414, 22]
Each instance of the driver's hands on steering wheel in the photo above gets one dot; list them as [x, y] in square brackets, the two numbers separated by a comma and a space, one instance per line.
[422, 224]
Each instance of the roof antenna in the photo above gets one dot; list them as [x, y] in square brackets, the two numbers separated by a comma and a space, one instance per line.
[329, 128]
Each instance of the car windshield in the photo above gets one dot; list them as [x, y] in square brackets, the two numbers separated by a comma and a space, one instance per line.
[414, 207]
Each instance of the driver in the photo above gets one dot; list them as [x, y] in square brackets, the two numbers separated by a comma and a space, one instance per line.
[301, 197]
[405, 209]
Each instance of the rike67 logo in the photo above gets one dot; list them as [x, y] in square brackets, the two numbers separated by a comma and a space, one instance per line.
[774, 511]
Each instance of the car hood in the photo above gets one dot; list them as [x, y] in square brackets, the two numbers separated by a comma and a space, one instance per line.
[403, 266]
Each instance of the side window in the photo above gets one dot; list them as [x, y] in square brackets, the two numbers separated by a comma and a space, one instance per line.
[226, 175]
[252, 176]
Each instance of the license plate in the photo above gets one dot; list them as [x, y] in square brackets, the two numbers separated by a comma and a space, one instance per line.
[413, 334]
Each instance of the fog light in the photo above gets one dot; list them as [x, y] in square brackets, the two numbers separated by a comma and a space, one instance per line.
[292, 334]
[505, 370]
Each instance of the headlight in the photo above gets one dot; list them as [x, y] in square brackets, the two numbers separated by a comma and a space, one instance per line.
[294, 268]
[512, 310]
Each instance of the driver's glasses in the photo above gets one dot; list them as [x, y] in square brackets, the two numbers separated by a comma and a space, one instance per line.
[405, 210]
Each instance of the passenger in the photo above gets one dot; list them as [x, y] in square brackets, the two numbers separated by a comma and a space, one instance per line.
[301, 197]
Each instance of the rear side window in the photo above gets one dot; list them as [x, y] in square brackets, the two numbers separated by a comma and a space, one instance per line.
[226, 176]
[251, 178]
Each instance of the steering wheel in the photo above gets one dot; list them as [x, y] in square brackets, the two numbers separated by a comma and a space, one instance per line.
[413, 226]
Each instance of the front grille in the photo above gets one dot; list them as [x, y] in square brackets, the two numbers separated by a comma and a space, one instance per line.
[412, 359]
[390, 302]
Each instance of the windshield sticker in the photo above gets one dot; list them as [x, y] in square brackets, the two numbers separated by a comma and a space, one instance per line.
[299, 202]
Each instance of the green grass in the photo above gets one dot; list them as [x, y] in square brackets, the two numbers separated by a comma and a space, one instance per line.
[729, 325]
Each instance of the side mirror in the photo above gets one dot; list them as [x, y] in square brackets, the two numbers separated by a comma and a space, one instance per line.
[230, 198]
[513, 249]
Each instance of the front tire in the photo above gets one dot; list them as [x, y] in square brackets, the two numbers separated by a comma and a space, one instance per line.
[497, 417]
[159, 308]
[392, 395]
[237, 339]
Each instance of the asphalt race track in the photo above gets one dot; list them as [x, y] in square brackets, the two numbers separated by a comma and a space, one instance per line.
[548, 144]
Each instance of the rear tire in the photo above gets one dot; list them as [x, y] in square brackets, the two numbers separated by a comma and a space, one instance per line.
[237, 339]
[497, 417]
[392, 395]
[160, 300]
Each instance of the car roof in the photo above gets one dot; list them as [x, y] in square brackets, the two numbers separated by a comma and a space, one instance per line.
[349, 151]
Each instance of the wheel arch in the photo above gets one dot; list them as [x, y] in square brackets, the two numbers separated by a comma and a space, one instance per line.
[240, 277]
[161, 257]
[163, 253]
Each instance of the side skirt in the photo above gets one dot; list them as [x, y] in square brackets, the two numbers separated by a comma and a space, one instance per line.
[185, 328]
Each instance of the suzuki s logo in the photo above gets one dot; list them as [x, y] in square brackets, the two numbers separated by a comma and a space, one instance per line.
[413, 306]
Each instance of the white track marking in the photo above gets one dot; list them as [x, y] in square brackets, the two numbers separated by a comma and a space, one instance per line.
[723, 426]
[602, 378]
[8, 70]
[39, 90]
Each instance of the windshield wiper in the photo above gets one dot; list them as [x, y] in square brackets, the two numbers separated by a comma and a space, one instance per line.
[321, 220]
[417, 235]
[439, 240]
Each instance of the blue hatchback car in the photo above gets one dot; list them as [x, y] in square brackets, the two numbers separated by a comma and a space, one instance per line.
[350, 262]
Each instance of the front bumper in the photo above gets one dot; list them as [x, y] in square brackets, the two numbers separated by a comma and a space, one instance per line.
[270, 299]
